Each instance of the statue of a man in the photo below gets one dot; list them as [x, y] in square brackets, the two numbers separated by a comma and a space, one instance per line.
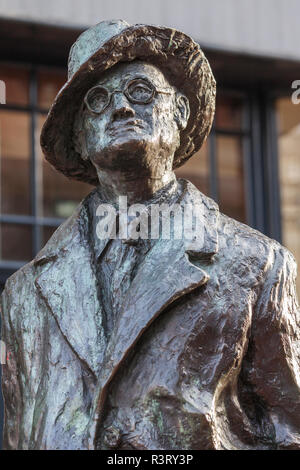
[187, 342]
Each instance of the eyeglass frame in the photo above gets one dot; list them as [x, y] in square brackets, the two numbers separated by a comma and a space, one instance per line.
[126, 94]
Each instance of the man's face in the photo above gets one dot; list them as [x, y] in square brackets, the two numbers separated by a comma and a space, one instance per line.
[133, 130]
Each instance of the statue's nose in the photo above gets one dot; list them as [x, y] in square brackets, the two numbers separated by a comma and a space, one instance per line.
[121, 107]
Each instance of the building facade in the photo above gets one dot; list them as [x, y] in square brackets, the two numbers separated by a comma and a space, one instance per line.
[250, 164]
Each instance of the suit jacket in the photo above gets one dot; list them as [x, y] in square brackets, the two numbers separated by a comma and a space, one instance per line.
[204, 355]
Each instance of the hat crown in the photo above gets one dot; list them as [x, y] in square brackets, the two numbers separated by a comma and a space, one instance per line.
[102, 47]
[91, 40]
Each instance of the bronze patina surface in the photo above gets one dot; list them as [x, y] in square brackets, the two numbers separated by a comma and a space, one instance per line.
[166, 343]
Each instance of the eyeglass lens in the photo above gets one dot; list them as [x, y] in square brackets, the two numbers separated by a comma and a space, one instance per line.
[97, 99]
[137, 91]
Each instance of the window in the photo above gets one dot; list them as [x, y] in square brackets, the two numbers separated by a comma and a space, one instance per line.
[34, 198]
[288, 123]
[218, 169]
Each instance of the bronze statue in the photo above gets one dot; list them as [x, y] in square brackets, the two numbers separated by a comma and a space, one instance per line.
[147, 343]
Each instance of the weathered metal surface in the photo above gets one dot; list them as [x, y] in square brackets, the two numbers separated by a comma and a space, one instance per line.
[155, 343]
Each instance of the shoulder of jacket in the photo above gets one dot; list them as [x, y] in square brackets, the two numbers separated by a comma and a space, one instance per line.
[248, 245]
[21, 285]
[20, 279]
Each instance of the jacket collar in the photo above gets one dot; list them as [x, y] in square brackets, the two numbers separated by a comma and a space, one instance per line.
[67, 282]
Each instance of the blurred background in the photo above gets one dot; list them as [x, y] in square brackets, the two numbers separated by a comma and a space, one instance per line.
[250, 164]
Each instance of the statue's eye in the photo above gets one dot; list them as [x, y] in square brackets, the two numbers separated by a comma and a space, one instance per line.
[97, 99]
[140, 91]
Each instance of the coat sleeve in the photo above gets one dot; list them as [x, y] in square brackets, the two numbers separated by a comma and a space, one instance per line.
[11, 386]
[22, 332]
[274, 364]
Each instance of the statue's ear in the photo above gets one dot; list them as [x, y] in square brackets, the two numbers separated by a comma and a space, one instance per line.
[182, 111]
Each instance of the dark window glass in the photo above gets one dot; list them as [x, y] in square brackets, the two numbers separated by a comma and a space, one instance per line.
[229, 112]
[196, 169]
[231, 177]
[15, 242]
[15, 162]
[16, 81]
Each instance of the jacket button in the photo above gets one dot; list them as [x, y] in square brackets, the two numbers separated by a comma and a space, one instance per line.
[112, 437]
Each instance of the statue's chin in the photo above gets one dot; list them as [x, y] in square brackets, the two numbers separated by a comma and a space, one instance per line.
[131, 154]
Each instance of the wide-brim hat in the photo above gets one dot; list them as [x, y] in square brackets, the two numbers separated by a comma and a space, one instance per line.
[103, 46]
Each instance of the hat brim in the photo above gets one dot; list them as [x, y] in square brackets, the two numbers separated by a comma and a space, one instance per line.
[175, 53]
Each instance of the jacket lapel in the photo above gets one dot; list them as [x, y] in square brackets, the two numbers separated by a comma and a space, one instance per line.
[157, 284]
[68, 285]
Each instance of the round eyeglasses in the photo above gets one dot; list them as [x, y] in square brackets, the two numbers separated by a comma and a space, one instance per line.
[138, 90]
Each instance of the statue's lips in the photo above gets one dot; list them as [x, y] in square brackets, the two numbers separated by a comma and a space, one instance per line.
[125, 125]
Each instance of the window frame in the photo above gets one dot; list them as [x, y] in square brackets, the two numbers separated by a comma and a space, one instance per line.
[34, 220]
